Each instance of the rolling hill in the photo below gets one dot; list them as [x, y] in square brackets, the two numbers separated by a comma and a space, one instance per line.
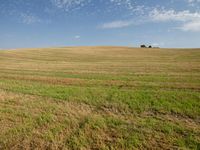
[100, 98]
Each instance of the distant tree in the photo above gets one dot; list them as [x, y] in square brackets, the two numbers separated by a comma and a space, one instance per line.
[143, 46]
[150, 46]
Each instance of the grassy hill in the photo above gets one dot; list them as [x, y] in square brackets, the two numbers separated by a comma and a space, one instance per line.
[100, 98]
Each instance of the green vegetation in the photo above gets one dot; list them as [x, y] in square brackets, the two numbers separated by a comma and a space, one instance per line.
[100, 98]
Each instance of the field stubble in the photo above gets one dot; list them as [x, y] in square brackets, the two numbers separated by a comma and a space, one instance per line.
[100, 98]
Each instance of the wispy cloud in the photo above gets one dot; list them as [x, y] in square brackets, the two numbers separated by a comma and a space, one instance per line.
[127, 3]
[193, 1]
[190, 20]
[29, 18]
[116, 24]
[172, 15]
[77, 36]
[191, 26]
[68, 5]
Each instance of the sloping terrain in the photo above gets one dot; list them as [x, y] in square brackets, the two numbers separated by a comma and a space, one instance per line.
[100, 98]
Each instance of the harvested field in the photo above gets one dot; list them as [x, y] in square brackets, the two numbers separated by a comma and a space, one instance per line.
[100, 98]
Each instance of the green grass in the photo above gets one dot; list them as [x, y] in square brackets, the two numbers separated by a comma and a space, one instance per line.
[100, 98]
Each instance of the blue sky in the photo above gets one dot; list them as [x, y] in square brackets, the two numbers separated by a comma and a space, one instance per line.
[47, 23]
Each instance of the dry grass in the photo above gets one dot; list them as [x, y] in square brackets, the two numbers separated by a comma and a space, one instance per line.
[100, 98]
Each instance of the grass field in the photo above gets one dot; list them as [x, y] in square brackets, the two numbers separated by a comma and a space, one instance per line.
[100, 98]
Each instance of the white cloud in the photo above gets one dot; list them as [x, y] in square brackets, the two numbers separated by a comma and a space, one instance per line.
[191, 26]
[116, 24]
[127, 3]
[193, 1]
[190, 21]
[29, 18]
[172, 15]
[130, 5]
[69, 4]
[77, 37]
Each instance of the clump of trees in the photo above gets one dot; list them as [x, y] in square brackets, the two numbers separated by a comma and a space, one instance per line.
[144, 46]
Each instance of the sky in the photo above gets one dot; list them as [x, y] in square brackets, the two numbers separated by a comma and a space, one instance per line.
[56, 23]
